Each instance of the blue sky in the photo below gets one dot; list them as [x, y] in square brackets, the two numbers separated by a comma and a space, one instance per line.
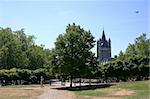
[46, 19]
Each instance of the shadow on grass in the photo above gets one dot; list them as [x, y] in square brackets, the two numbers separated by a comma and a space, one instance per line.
[85, 87]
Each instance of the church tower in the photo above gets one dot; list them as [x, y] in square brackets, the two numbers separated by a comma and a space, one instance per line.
[103, 49]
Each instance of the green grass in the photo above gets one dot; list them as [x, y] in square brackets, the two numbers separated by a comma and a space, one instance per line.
[141, 89]
[90, 93]
[137, 85]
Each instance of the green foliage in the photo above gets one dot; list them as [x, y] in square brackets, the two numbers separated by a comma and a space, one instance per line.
[133, 63]
[21, 59]
[32, 76]
[11, 54]
[72, 55]
[71, 58]
[140, 46]
[17, 50]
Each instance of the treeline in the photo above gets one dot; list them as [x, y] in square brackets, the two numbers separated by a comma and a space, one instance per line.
[21, 59]
[133, 64]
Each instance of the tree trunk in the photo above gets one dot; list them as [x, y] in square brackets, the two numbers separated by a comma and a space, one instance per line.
[80, 81]
[90, 82]
[71, 81]
[20, 82]
[105, 78]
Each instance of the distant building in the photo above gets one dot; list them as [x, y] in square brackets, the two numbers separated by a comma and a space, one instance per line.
[103, 49]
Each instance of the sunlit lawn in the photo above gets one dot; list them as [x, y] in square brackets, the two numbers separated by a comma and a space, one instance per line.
[20, 92]
[124, 90]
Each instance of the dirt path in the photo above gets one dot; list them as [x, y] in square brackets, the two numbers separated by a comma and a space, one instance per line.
[51, 93]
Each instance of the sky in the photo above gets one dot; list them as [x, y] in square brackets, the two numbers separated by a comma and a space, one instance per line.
[46, 19]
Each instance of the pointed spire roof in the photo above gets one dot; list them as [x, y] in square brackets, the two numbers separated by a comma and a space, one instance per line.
[103, 35]
[109, 40]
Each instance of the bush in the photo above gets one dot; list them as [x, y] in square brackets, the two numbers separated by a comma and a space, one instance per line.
[24, 76]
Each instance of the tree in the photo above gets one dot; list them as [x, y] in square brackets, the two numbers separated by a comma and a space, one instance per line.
[37, 57]
[72, 54]
[138, 55]
[11, 54]
[17, 50]
[140, 46]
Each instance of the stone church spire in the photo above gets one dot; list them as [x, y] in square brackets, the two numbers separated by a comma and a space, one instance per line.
[103, 36]
[103, 49]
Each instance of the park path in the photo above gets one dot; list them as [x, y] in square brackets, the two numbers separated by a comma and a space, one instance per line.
[52, 93]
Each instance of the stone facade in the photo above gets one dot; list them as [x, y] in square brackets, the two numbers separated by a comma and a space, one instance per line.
[103, 49]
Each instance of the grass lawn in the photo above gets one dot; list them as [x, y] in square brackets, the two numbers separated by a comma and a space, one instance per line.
[124, 90]
[20, 92]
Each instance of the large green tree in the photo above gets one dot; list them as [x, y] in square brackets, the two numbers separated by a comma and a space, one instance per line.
[11, 54]
[72, 55]
[141, 46]
[17, 50]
